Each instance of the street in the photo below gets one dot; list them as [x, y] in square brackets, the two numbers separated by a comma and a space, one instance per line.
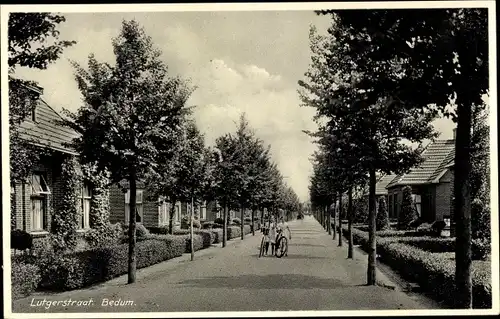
[315, 276]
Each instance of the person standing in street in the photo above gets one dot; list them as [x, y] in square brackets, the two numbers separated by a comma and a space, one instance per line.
[272, 236]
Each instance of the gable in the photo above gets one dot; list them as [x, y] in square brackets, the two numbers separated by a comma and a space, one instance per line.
[436, 157]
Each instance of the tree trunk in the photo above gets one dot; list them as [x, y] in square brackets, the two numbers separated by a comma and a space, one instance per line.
[462, 212]
[334, 226]
[340, 220]
[132, 264]
[350, 250]
[242, 214]
[329, 222]
[171, 217]
[224, 227]
[191, 232]
[252, 221]
[372, 251]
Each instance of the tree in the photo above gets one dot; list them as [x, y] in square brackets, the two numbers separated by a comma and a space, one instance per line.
[382, 214]
[32, 39]
[130, 110]
[408, 212]
[445, 61]
[347, 88]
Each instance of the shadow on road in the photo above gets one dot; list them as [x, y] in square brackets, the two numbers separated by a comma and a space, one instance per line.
[306, 245]
[275, 281]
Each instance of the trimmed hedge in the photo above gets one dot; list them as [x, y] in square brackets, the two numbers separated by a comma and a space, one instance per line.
[217, 235]
[198, 242]
[412, 257]
[247, 229]
[25, 279]
[233, 232]
[84, 268]
[208, 237]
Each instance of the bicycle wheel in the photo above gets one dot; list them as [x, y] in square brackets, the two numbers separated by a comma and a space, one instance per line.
[281, 247]
[261, 251]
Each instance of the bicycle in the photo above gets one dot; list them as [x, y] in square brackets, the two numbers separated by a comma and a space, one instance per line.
[281, 245]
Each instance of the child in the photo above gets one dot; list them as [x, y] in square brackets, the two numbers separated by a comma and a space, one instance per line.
[272, 235]
[266, 240]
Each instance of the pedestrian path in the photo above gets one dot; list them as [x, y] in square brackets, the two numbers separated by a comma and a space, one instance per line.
[316, 275]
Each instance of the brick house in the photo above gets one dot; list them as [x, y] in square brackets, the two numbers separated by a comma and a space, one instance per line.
[150, 213]
[33, 200]
[431, 183]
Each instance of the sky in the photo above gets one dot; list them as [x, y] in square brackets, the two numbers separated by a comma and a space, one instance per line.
[240, 62]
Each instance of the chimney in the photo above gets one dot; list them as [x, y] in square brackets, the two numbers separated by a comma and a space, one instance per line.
[454, 133]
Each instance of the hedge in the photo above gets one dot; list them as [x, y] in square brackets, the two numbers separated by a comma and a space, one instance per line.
[25, 279]
[198, 242]
[80, 269]
[217, 232]
[233, 232]
[433, 271]
[208, 237]
[247, 229]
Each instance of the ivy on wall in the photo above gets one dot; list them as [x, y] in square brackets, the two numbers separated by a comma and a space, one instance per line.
[66, 213]
[102, 232]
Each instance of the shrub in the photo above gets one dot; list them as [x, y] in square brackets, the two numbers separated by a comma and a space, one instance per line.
[197, 241]
[141, 232]
[414, 224]
[236, 221]
[185, 223]
[382, 221]
[233, 232]
[248, 220]
[20, 240]
[438, 227]
[247, 229]
[207, 236]
[481, 249]
[219, 221]
[435, 272]
[80, 269]
[408, 211]
[25, 279]
[217, 235]
[207, 225]
[107, 235]
[480, 220]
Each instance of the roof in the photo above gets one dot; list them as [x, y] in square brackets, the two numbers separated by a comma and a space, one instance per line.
[437, 156]
[45, 131]
[380, 187]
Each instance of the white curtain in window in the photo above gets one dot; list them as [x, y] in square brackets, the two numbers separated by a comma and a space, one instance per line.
[37, 214]
[139, 208]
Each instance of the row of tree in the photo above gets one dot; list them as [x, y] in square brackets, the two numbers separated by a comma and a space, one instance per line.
[377, 81]
[135, 125]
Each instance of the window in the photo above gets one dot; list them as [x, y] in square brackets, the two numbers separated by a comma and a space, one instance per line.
[86, 199]
[162, 212]
[177, 212]
[39, 192]
[203, 211]
[37, 213]
[39, 184]
[139, 207]
[417, 200]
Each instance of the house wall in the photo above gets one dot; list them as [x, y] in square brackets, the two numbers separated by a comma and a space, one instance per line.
[443, 195]
[23, 192]
[117, 208]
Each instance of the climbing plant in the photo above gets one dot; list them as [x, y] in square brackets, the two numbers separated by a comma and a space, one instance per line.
[102, 232]
[66, 213]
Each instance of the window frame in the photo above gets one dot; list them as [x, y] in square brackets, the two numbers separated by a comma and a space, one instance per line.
[139, 205]
[85, 220]
[42, 183]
